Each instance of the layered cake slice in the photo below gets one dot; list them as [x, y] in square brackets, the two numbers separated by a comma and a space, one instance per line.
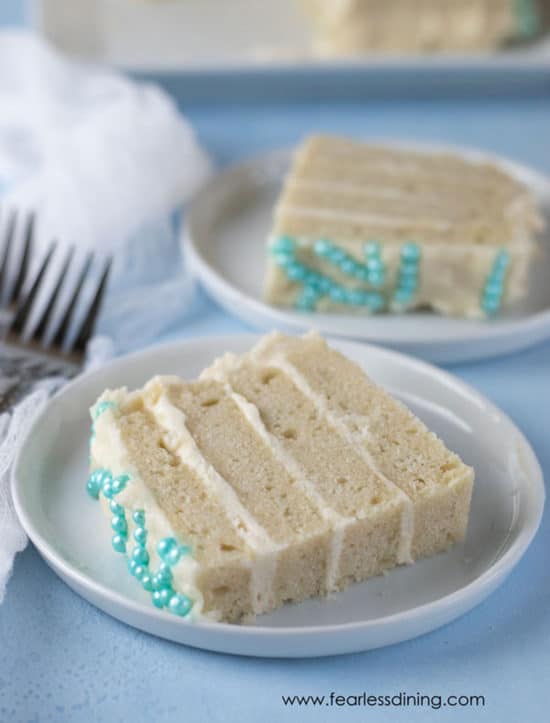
[278, 475]
[353, 27]
[363, 228]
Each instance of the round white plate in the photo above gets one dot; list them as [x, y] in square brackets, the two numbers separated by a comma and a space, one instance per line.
[225, 238]
[72, 534]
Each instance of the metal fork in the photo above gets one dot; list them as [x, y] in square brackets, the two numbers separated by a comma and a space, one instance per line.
[44, 353]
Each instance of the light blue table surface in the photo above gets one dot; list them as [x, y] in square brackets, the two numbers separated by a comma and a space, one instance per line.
[63, 660]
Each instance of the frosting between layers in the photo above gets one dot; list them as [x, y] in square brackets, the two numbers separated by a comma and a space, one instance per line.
[375, 219]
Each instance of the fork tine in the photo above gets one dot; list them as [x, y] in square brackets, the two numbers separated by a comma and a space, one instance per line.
[8, 238]
[25, 259]
[22, 314]
[63, 330]
[87, 328]
[40, 331]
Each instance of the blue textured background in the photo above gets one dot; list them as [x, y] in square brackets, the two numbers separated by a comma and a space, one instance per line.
[62, 660]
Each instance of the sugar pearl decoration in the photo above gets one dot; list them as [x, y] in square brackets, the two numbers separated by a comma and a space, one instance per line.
[407, 276]
[159, 584]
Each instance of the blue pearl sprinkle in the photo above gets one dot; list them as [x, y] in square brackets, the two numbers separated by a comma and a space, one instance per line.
[139, 517]
[140, 571]
[497, 275]
[169, 550]
[408, 270]
[310, 293]
[408, 283]
[503, 259]
[159, 582]
[140, 535]
[157, 599]
[324, 285]
[296, 272]
[146, 582]
[132, 564]
[348, 266]
[119, 543]
[375, 265]
[283, 243]
[163, 597]
[140, 555]
[180, 605]
[337, 255]
[322, 247]
[410, 252]
[119, 483]
[283, 258]
[93, 487]
[119, 524]
[377, 278]
[165, 574]
[493, 288]
[338, 294]
[115, 508]
[372, 248]
[108, 490]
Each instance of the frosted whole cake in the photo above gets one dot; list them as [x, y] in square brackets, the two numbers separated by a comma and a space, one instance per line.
[351, 27]
[278, 475]
[365, 228]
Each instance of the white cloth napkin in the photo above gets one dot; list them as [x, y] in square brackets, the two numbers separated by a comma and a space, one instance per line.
[104, 163]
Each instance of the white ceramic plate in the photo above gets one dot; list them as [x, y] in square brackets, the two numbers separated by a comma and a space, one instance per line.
[70, 531]
[228, 224]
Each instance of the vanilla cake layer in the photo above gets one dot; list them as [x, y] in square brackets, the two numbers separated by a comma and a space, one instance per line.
[359, 26]
[360, 228]
[278, 475]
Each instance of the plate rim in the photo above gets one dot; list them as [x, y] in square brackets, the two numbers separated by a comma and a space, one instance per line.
[536, 325]
[477, 589]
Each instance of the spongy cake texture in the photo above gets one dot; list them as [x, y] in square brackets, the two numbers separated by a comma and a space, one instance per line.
[284, 473]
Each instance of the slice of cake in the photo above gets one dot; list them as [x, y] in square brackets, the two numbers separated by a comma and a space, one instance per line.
[281, 474]
[352, 27]
[363, 228]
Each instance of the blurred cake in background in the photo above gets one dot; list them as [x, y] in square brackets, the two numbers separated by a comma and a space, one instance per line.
[362, 228]
[353, 27]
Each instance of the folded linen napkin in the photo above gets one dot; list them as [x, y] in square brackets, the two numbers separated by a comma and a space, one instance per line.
[104, 163]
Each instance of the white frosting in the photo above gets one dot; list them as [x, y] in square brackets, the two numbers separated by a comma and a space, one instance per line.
[180, 441]
[347, 187]
[108, 445]
[366, 218]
